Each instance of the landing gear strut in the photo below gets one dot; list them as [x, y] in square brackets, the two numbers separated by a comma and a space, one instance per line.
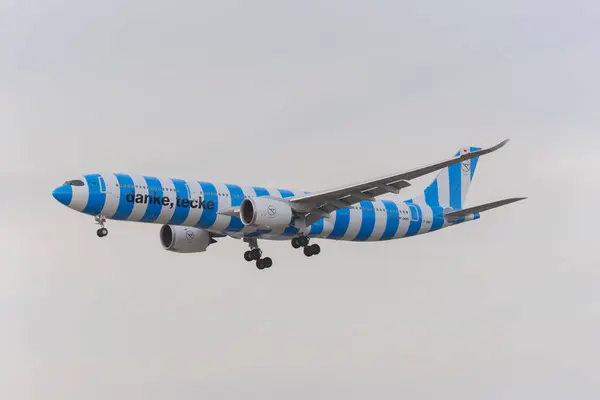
[102, 231]
[309, 250]
[255, 254]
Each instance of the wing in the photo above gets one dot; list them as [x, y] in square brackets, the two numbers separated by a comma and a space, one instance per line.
[315, 206]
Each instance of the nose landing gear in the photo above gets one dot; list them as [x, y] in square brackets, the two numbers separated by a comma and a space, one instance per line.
[102, 231]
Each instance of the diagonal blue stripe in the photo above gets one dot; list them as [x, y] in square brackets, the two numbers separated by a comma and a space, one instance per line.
[438, 218]
[260, 191]
[236, 194]
[392, 220]
[97, 198]
[368, 221]
[342, 221]
[126, 187]
[432, 197]
[317, 228]
[455, 186]
[155, 192]
[286, 193]
[181, 212]
[433, 200]
[208, 217]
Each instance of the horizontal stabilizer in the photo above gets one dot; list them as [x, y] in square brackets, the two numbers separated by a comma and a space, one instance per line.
[454, 215]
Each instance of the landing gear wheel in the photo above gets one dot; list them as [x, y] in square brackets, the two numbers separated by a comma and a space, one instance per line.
[308, 251]
[255, 254]
[312, 250]
[315, 249]
[263, 263]
[296, 243]
[248, 256]
[102, 232]
[303, 241]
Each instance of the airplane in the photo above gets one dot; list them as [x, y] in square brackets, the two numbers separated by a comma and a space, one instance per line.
[194, 214]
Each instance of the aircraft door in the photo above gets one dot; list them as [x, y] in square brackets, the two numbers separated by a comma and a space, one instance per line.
[414, 212]
[104, 187]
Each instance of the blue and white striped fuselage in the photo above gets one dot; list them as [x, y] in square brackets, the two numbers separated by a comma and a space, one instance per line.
[197, 204]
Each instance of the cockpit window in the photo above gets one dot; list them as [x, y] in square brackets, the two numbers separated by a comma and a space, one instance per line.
[75, 182]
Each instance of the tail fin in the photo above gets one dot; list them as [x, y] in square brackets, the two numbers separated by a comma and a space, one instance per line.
[450, 187]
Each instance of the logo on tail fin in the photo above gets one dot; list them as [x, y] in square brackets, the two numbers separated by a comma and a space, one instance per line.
[466, 166]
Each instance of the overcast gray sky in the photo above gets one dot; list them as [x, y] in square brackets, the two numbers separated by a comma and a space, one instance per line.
[305, 95]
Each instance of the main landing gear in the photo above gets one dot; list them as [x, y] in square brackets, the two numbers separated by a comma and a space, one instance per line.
[255, 254]
[100, 220]
[309, 250]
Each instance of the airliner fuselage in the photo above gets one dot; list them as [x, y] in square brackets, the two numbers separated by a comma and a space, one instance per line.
[193, 214]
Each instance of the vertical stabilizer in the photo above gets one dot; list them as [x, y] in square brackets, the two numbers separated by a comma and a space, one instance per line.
[450, 187]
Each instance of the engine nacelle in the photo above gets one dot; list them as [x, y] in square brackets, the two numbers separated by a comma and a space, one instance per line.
[183, 239]
[265, 212]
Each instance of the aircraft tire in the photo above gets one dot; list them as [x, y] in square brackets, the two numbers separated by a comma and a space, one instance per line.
[102, 232]
[303, 241]
[315, 249]
[308, 251]
[255, 253]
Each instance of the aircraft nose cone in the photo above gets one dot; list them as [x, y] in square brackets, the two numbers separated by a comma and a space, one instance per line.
[63, 194]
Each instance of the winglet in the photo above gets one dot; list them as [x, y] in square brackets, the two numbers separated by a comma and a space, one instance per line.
[481, 152]
[499, 145]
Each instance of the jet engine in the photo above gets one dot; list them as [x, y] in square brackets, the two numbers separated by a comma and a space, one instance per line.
[265, 212]
[183, 239]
